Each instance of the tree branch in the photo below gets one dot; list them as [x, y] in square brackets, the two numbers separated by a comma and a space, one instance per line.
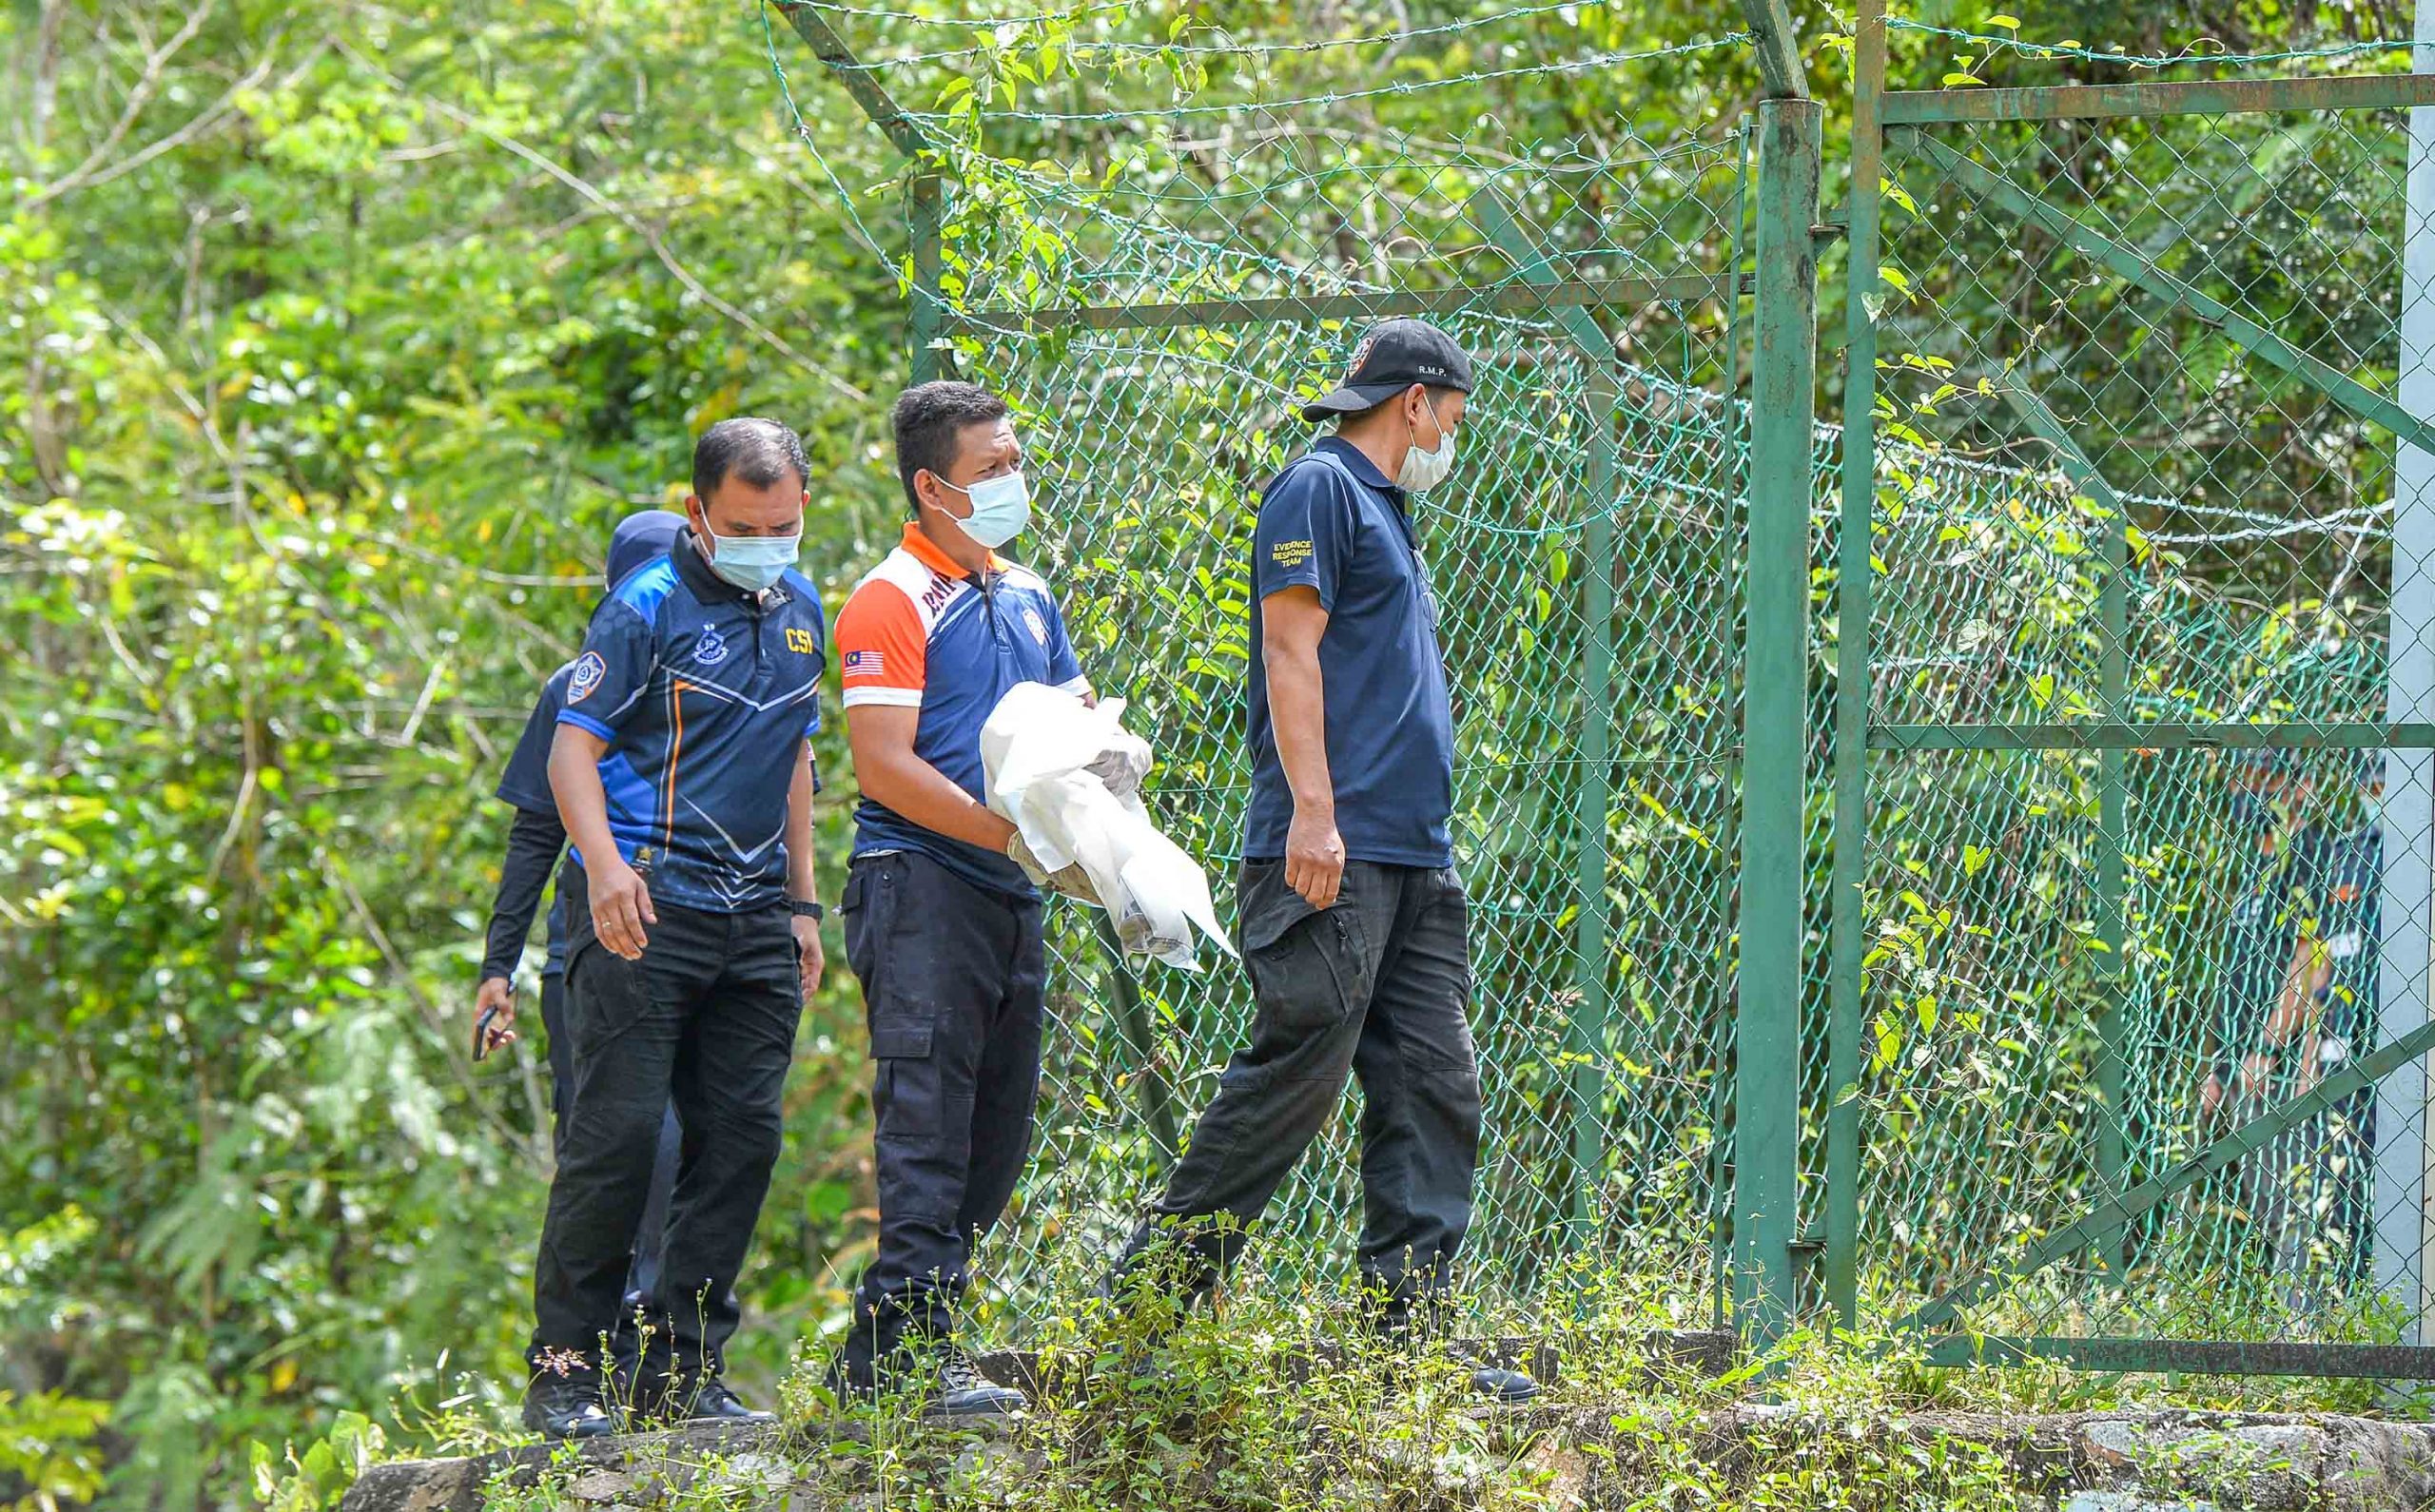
[625, 217]
[147, 83]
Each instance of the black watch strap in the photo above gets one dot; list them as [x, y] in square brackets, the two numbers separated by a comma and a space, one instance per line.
[802, 909]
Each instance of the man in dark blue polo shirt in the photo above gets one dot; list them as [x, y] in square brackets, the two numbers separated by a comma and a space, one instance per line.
[683, 774]
[535, 841]
[1354, 925]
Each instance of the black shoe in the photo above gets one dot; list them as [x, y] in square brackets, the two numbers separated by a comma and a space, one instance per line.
[705, 1400]
[714, 1403]
[1507, 1387]
[962, 1391]
[567, 1406]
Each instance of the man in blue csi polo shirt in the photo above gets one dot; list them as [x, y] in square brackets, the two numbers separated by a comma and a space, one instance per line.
[683, 774]
[1354, 925]
[535, 841]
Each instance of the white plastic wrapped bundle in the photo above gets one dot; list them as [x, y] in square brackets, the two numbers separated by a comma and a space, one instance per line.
[1069, 777]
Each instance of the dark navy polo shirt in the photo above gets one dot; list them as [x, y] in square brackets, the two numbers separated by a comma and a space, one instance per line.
[526, 785]
[706, 693]
[1333, 522]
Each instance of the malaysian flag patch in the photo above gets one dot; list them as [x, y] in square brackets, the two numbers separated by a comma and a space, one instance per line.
[864, 664]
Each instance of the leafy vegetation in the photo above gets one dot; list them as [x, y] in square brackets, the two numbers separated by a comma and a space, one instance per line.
[338, 337]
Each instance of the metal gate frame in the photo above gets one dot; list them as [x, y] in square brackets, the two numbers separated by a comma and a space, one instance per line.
[1858, 733]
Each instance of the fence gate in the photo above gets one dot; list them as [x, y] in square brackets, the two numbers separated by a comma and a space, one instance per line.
[1156, 316]
[2126, 1010]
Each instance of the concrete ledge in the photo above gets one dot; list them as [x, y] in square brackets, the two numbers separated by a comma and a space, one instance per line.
[1592, 1456]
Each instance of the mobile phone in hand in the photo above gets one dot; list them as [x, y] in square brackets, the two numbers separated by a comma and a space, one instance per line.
[483, 1040]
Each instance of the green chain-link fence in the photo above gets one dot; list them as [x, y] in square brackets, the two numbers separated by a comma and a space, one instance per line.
[1156, 289]
[2113, 369]
[2119, 870]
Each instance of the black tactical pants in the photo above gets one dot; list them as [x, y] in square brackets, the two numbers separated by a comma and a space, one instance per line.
[707, 1017]
[642, 1274]
[954, 980]
[1377, 986]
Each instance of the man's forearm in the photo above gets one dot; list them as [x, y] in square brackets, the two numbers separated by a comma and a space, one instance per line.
[1297, 712]
[533, 848]
[920, 792]
[574, 782]
[803, 881]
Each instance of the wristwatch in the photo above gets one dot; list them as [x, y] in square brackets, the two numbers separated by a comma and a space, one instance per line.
[803, 909]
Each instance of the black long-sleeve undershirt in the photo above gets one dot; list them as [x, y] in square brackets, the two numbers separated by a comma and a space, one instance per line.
[533, 848]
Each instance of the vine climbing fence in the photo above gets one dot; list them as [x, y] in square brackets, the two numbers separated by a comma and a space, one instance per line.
[1848, 815]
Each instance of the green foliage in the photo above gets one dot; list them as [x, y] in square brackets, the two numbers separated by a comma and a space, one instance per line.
[317, 1478]
[338, 338]
[304, 479]
[48, 1451]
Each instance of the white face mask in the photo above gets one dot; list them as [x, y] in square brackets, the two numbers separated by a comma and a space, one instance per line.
[1422, 470]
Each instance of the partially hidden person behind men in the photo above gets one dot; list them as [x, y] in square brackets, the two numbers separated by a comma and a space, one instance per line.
[1354, 925]
[683, 773]
[535, 840]
[943, 919]
[2296, 1000]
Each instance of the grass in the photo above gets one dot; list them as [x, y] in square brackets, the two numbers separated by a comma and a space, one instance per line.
[1284, 1399]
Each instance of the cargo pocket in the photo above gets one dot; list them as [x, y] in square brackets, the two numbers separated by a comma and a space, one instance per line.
[1310, 967]
[870, 905]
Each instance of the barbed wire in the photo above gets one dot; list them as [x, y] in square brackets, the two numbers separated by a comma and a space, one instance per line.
[2081, 53]
[1081, 46]
[803, 135]
[1400, 87]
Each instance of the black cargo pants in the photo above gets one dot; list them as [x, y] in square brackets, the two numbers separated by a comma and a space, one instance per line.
[1375, 986]
[642, 1276]
[955, 983]
[707, 1017]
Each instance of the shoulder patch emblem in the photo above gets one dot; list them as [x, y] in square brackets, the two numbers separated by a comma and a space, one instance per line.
[1039, 626]
[711, 648]
[589, 671]
[1290, 554]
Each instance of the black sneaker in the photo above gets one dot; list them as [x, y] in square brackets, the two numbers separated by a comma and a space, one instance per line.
[714, 1403]
[700, 1398]
[962, 1391]
[567, 1406]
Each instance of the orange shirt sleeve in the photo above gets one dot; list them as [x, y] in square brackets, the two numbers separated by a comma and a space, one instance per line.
[882, 650]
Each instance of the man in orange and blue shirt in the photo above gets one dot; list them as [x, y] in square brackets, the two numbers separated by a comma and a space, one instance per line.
[943, 919]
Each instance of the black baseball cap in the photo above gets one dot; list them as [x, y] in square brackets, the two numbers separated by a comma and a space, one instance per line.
[1393, 357]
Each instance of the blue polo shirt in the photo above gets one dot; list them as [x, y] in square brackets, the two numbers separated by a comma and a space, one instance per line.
[921, 633]
[706, 693]
[1332, 521]
[525, 785]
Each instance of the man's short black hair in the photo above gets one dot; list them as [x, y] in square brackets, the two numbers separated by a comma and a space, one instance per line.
[929, 418]
[760, 452]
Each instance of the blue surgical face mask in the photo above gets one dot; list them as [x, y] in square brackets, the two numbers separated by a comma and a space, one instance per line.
[1000, 509]
[753, 562]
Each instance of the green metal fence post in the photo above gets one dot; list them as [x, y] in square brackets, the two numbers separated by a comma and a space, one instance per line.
[1768, 1019]
[1854, 604]
[2113, 834]
[1585, 1039]
[922, 315]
